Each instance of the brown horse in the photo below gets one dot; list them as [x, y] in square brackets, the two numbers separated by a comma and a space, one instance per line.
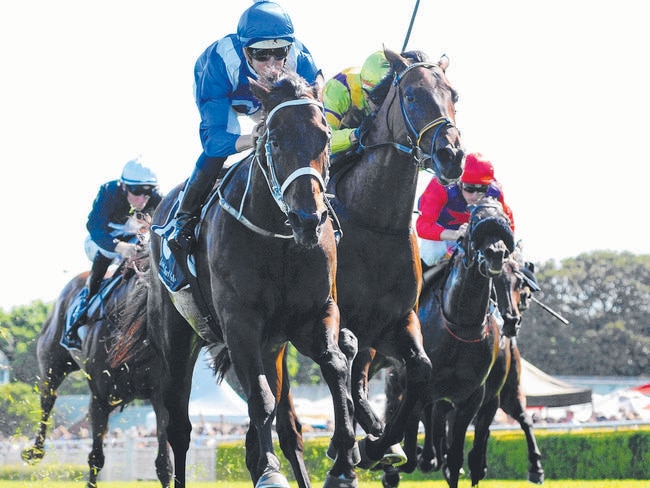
[379, 272]
[265, 266]
[119, 367]
[503, 387]
[462, 338]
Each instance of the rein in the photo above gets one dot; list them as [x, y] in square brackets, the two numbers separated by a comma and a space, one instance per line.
[413, 150]
[270, 175]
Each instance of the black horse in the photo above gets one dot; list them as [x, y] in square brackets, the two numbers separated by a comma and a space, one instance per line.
[379, 271]
[265, 266]
[461, 337]
[503, 387]
[118, 364]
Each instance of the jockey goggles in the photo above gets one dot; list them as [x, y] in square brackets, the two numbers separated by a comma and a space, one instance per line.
[262, 55]
[475, 188]
[138, 190]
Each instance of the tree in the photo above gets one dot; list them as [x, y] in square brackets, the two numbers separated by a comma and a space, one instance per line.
[19, 409]
[606, 298]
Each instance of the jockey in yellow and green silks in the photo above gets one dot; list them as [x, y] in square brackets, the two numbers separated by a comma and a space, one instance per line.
[346, 101]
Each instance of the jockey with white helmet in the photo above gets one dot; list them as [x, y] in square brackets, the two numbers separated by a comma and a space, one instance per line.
[135, 191]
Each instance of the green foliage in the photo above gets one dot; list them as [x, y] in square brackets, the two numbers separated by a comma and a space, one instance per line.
[606, 298]
[19, 409]
[44, 474]
[588, 455]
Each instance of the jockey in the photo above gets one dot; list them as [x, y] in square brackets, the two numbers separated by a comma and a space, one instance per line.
[444, 213]
[263, 47]
[347, 102]
[135, 191]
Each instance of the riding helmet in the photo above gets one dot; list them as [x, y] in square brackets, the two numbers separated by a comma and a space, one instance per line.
[136, 174]
[265, 25]
[478, 170]
[374, 69]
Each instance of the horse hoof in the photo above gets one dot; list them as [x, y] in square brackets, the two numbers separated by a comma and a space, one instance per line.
[340, 482]
[272, 479]
[536, 477]
[32, 455]
[395, 456]
[366, 462]
[390, 479]
[356, 455]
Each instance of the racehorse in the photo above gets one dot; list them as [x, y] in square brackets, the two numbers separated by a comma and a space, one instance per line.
[461, 337]
[379, 271]
[265, 262]
[118, 366]
[503, 388]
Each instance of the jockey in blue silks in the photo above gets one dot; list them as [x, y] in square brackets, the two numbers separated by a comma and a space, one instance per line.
[263, 46]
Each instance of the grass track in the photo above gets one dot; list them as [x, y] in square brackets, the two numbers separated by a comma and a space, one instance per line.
[464, 483]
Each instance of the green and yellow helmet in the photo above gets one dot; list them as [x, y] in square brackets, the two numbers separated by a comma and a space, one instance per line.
[374, 69]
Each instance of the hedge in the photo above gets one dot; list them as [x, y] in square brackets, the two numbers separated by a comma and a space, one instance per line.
[577, 454]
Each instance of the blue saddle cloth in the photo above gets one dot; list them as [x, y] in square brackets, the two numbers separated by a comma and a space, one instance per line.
[170, 272]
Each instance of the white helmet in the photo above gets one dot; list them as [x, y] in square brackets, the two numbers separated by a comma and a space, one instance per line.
[136, 174]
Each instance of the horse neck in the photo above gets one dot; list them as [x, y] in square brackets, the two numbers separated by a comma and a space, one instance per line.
[466, 294]
[380, 190]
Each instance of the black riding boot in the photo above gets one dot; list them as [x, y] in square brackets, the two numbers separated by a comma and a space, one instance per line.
[197, 189]
[94, 281]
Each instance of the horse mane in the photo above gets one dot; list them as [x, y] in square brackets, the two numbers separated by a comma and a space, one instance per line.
[128, 341]
[287, 85]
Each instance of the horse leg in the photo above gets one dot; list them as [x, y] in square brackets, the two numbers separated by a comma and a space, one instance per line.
[434, 448]
[260, 378]
[48, 387]
[321, 345]
[513, 401]
[418, 371]
[98, 411]
[163, 463]
[512, 404]
[463, 415]
[477, 459]
[289, 431]
[391, 476]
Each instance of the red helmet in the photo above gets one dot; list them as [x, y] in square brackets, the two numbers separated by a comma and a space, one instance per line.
[478, 170]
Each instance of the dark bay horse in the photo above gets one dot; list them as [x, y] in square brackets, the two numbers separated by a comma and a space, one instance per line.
[119, 366]
[265, 262]
[462, 338]
[379, 271]
[503, 387]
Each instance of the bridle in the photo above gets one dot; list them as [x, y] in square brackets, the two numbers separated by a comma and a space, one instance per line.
[276, 188]
[414, 150]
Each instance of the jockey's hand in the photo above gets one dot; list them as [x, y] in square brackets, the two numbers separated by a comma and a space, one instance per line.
[126, 249]
[462, 230]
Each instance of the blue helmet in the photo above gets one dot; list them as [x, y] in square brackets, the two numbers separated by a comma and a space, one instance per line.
[135, 173]
[265, 25]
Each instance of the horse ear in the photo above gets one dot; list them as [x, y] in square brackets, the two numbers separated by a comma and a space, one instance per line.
[317, 87]
[444, 62]
[397, 62]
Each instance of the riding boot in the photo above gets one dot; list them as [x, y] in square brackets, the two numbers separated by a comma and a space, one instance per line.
[197, 189]
[93, 283]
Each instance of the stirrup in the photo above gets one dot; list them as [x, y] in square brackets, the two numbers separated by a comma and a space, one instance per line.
[182, 240]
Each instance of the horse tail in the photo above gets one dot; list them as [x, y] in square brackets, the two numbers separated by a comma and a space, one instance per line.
[129, 340]
[221, 364]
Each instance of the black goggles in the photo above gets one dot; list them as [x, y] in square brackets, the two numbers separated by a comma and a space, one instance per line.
[475, 188]
[138, 190]
[262, 55]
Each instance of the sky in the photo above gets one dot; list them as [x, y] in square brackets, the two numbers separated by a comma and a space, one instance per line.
[555, 93]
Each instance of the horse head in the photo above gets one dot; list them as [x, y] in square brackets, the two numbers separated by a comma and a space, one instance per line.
[489, 238]
[293, 152]
[426, 102]
[510, 290]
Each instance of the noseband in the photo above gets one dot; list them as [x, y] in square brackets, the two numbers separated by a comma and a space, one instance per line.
[414, 150]
[270, 175]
